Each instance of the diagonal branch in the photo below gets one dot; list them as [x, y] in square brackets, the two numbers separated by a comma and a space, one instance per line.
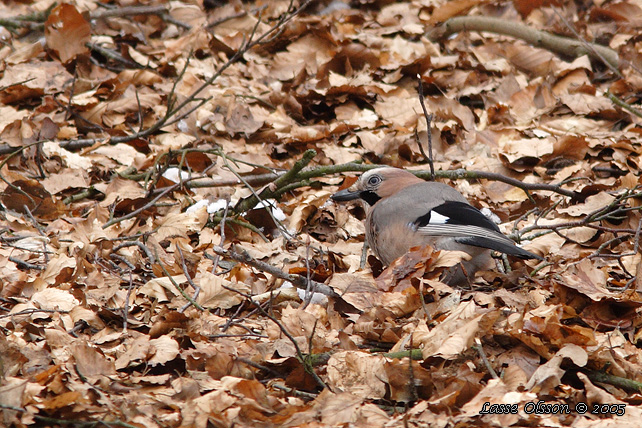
[538, 38]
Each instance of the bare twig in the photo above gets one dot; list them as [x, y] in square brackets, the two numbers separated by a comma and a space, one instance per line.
[138, 244]
[321, 171]
[222, 242]
[423, 300]
[258, 199]
[35, 311]
[129, 11]
[624, 105]
[288, 177]
[620, 382]
[141, 209]
[180, 290]
[126, 305]
[234, 16]
[482, 354]
[302, 394]
[589, 46]
[230, 319]
[309, 290]
[127, 263]
[301, 356]
[299, 281]
[603, 213]
[428, 117]
[242, 223]
[114, 55]
[32, 21]
[258, 366]
[196, 288]
[25, 265]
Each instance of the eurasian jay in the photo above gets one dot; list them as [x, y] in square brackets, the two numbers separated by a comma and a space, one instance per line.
[407, 212]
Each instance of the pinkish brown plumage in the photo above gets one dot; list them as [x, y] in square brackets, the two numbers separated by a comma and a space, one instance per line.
[407, 212]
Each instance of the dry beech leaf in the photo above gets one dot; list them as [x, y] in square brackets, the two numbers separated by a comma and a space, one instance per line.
[525, 151]
[334, 409]
[67, 179]
[121, 190]
[136, 351]
[449, 258]
[399, 108]
[358, 373]
[217, 292]
[586, 278]
[412, 265]
[63, 400]
[180, 224]
[71, 159]
[54, 299]
[67, 32]
[591, 204]
[90, 362]
[240, 120]
[157, 288]
[24, 81]
[80, 314]
[32, 195]
[304, 209]
[163, 349]
[59, 269]
[455, 333]
[549, 375]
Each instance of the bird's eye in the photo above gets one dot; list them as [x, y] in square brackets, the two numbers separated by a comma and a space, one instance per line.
[374, 180]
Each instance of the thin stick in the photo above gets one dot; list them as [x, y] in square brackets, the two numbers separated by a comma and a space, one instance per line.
[138, 244]
[309, 290]
[180, 290]
[482, 354]
[305, 361]
[299, 281]
[428, 117]
[196, 288]
[222, 229]
[126, 305]
[141, 209]
[24, 264]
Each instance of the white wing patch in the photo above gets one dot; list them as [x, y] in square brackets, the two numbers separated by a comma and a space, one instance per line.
[436, 218]
[490, 215]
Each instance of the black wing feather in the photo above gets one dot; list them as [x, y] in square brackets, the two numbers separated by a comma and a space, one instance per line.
[465, 215]
[459, 213]
[494, 244]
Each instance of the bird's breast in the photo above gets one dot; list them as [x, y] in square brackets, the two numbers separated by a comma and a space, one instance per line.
[392, 239]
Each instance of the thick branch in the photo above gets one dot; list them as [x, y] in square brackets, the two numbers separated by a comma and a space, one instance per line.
[322, 171]
[620, 382]
[539, 38]
[288, 177]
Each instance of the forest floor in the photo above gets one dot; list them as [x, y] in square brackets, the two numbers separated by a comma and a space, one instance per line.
[166, 171]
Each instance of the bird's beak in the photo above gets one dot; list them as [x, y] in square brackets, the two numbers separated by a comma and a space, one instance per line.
[348, 194]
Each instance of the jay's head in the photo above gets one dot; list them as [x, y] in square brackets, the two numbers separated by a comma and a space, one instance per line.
[377, 184]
